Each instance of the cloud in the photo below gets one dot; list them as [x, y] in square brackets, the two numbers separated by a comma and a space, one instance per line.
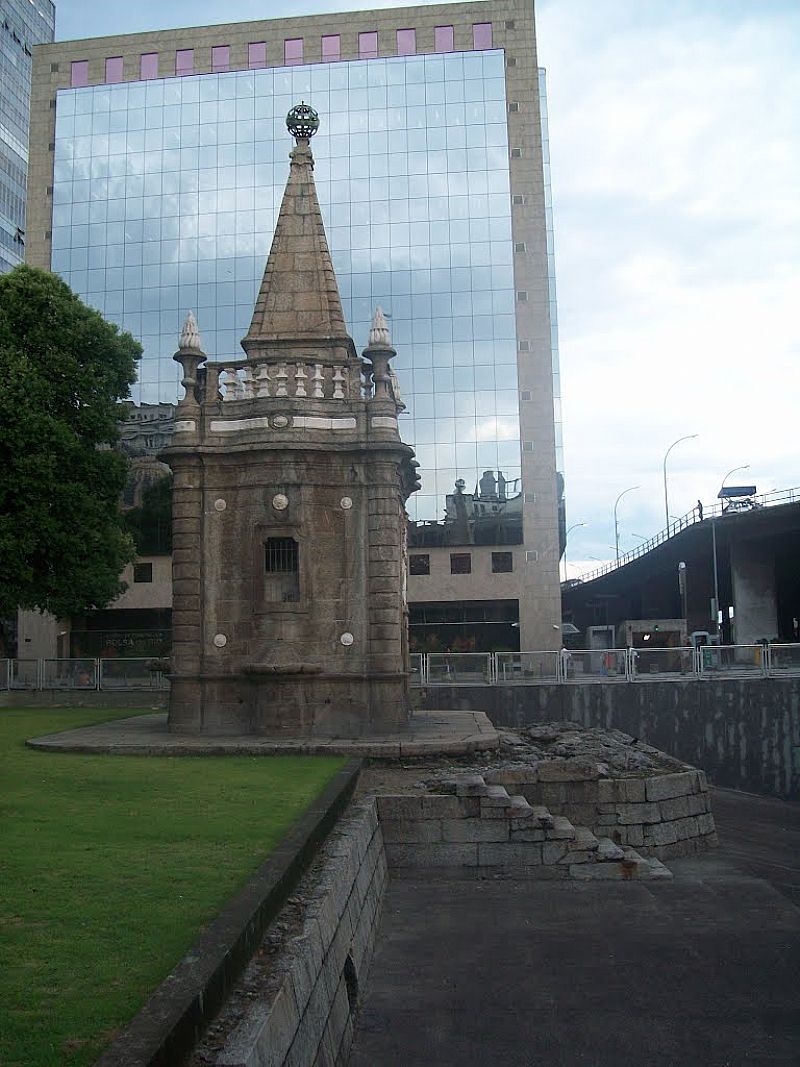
[674, 164]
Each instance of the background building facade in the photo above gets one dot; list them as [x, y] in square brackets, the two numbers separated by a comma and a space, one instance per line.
[158, 161]
[23, 24]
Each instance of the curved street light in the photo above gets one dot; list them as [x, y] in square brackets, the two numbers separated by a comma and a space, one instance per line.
[744, 467]
[616, 526]
[574, 526]
[689, 437]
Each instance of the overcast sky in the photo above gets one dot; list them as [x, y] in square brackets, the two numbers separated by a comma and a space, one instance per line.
[675, 146]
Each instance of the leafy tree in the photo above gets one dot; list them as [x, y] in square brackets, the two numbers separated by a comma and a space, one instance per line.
[63, 372]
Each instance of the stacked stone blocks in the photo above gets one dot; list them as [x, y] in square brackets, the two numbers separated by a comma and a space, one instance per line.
[664, 815]
[479, 825]
[306, 1018]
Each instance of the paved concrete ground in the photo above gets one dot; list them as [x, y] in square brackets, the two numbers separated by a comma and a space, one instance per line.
[703, 970]
[429, 733]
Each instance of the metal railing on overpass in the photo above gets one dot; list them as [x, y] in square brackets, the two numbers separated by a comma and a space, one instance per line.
[691, 518]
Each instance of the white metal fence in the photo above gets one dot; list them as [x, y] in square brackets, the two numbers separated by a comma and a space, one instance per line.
[97, 674]
[604, 665]
[452, 668]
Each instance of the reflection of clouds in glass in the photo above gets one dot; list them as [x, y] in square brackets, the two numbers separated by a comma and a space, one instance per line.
[166, 193]
[496, 430]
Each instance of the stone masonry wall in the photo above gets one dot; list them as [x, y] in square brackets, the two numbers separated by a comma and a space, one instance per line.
[305, 1019]
[665, 815]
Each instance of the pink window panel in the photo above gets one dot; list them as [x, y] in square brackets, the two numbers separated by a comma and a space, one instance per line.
[443, 40]
[114, 69]
[368, 45]
[331, 47]
[406, 42]
[148, 65]
[482, 35]
[79, 73]
[184, 61]
[293, 50]
[257, 54]
[220, 58]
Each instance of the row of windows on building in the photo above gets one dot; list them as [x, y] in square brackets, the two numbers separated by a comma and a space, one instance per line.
[281, 557]
[293, 53]
[419, 563]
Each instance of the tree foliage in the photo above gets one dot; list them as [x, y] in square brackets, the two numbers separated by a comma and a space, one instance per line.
[63, 372]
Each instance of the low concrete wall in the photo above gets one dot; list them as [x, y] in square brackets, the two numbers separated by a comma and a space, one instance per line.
[306, 1017]
[157, 699]
[744, 733]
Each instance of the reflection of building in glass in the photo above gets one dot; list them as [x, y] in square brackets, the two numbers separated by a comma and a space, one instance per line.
[165, 153]
[23, 23]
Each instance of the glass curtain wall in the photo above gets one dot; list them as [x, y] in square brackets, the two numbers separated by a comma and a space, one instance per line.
[166, 194]
[23, 23]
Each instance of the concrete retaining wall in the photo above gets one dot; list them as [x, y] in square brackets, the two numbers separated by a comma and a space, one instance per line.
[305, 1019]
[744, 733]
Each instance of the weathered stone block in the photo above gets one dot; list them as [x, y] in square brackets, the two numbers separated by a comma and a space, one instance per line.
[561, 830]
[441, 807]
[568, 770]
[509, 855]
[661, 834]
[553, 851]
[705, 824]
[399, 807]
[475, 830]
[667, 786]
[470, 785]
[445, 854]
[635, 813]
[677, 808]
[408, 831]
[686, 828]
[525, 833]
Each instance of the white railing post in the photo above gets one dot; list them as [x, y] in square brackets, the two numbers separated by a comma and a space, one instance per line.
[631, 657]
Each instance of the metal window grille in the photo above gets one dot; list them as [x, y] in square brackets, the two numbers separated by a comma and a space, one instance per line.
[502, 562]
[282, 565]
[281, 556]
[419, 564]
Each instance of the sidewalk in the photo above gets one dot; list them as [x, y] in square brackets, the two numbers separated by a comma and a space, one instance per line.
[702, 970]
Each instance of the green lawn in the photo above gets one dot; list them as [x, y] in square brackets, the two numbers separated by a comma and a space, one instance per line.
[109, 867]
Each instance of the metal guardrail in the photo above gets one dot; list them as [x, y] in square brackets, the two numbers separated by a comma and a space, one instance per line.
[453, 668]
[765, 500]
[604, 665]
[89, 674]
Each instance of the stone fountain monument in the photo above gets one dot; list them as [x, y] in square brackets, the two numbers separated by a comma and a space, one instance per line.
[289, 524]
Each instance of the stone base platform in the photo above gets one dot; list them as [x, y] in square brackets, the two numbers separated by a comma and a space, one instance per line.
[430, 733]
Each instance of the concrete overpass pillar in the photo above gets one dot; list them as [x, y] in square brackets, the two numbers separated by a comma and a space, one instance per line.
[754, 596]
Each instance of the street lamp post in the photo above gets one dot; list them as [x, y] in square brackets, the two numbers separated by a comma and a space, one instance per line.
[616, 525]
[574, 526]
[689, 437]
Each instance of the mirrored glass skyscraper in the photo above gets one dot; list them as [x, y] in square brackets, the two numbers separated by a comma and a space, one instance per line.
[23, 24]
[155, 190]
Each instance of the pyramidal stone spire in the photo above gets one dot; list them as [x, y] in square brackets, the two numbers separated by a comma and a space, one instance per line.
[299, 298]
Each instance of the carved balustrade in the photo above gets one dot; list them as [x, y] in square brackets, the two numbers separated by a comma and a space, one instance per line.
[299, 380]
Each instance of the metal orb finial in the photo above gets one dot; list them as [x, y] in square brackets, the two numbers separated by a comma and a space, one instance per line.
[302, 121]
